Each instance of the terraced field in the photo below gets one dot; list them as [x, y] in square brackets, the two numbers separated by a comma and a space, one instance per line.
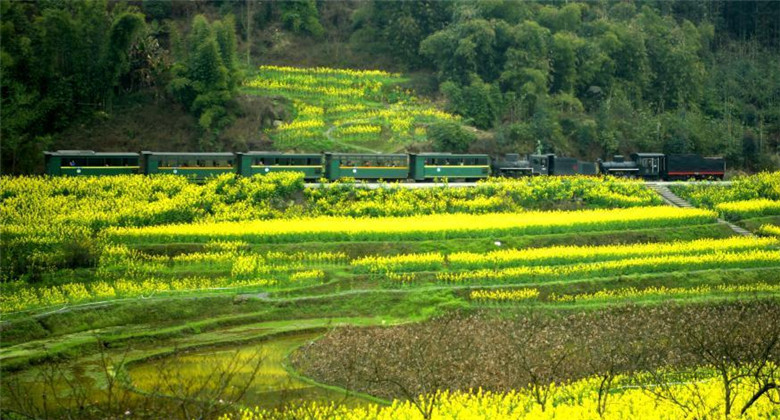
[169, 302]
[347, 110]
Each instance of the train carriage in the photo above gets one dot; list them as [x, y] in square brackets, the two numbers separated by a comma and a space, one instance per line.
[252, 163]
[197, 166]
[428, 166]
[366, 166]
[88, 162]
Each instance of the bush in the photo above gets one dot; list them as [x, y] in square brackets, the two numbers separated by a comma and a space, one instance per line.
[448, 136]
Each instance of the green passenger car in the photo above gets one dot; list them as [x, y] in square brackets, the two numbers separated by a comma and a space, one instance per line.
[196, 166]
[88, 162]
[252, 163]
[427, 166]
[366, 166]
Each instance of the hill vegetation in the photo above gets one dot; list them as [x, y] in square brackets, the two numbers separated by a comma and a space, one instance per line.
[583, 79]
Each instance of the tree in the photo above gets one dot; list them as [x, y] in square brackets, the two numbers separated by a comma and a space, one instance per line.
[301, 16]
[449, 136]
[205, 81]
[480, 102]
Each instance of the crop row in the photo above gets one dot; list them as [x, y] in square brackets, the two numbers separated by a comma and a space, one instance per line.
[491, 196]
[553, 255]
[119, 261]
[764, 185]
[31, 297]
[649, 264]
[746, 209]
[136, 284]
[577, 400]
[511, 295]
[770, 230]
[440, 226]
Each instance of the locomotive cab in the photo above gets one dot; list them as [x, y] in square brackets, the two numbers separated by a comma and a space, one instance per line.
[541, 164]
[649, 165]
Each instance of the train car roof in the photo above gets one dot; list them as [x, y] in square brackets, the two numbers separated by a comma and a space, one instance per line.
[189, 154]
[372, 155]
[433, 154]
[259, 153]
[90, 153]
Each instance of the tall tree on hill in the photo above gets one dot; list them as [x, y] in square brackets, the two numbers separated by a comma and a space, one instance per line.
[205, 80]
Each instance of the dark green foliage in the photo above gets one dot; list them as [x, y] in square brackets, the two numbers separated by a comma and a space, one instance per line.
[60, 62]
[301, 16]
[450, 137]
[397, 28]
[595, 79]
[158, 9]
[205, 80]
[478, 100]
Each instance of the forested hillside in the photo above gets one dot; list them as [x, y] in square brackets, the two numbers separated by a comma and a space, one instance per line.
[586, 79]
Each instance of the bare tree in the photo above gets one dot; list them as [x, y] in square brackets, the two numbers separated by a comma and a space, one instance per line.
[67, 392]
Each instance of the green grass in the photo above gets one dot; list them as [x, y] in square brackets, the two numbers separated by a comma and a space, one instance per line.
[755, 223]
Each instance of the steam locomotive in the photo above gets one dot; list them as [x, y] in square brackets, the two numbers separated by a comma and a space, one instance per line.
[650, 166]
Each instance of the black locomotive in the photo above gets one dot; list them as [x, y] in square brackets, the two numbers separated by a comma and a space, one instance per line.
[667, 167]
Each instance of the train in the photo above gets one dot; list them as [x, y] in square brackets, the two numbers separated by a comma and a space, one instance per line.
[417, 167]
